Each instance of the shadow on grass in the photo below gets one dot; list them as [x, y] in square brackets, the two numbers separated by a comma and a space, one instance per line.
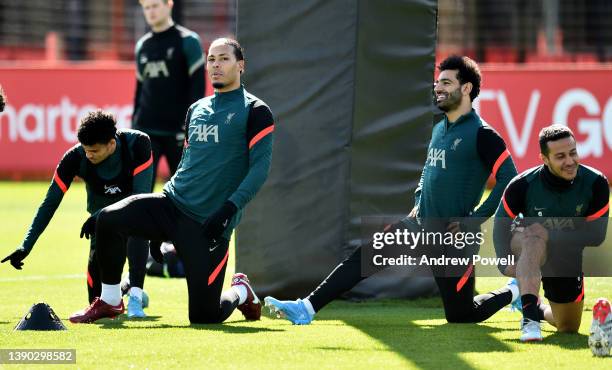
[420, 334]
[228, 328]
[570, 341]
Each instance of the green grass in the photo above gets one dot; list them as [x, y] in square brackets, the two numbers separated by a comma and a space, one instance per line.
[389, 334]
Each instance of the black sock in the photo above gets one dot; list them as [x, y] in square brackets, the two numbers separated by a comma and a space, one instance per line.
[541, 312]
[530, 307]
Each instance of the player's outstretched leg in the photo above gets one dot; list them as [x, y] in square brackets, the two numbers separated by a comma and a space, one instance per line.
[516, 304]
[295, 311]
[301, 312]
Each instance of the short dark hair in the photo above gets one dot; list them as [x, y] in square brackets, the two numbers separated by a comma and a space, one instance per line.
[238, 50]
[2, 99]
[553, 133]
[97, 127]
[467, 71]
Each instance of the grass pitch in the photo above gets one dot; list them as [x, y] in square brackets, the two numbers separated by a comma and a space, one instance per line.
[376, 334]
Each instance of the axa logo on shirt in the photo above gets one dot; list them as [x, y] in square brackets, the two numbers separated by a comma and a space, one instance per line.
[112, 190]
[155, 69]
[561, 224]
[203, 132]
[436, 155]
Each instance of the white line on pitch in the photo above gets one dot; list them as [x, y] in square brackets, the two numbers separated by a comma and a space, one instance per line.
[42, 277]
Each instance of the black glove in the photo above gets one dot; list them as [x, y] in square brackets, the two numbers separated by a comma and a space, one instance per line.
[216, 223]
[155, 251]
[16, 257]
[88, 229]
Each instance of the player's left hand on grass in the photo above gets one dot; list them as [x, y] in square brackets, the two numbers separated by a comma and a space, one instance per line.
[88, 230]
[16, 258]
[216, 223]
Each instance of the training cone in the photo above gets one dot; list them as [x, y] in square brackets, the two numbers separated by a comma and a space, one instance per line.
[40, 317]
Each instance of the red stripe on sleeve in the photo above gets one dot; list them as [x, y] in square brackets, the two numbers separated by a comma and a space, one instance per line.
[502, 157]
[217, 270]
[59, 182]
[507, 208]
[599, 213]
[144, 166]
[465, 277]
[261, 135]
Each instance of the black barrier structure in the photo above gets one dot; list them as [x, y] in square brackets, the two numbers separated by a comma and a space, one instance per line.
[350, 84]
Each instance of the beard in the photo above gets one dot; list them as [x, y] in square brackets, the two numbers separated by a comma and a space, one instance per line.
[452, 101]
[218, 85]
[561, 173]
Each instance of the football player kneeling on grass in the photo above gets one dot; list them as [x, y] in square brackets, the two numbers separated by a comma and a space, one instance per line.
[225, 162]
[558, 208]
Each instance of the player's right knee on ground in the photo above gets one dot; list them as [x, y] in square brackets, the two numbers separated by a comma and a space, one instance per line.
[203, 319]
[568, 327]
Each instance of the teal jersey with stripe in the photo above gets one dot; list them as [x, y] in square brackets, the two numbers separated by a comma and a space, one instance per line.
[460, 158]
[226, 157]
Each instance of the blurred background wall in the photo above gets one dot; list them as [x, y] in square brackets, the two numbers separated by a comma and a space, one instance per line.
[544, 60]
[491, 31]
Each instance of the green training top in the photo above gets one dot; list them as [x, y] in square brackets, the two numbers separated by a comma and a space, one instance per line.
[460, 158]
[575, 213]
[123, 173]
[226, 157]
[170, 77]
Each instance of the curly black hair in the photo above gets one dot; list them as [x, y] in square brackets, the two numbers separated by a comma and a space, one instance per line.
[97, 127]
[467, 71]
[553, 133]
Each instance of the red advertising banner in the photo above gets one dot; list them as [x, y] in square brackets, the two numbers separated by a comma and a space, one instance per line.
[45, 105]
[519, 103]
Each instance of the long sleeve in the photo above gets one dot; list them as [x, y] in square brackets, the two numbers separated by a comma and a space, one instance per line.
[260, 128]
[512, 203]
[143, 165]
[496, 157]
[65, 172]
[417, 191]
[136, 101]
[195, 66]
[138, 83]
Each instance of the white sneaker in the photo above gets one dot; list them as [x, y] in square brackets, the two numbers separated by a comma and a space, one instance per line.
[530, 331]
[600, 336]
